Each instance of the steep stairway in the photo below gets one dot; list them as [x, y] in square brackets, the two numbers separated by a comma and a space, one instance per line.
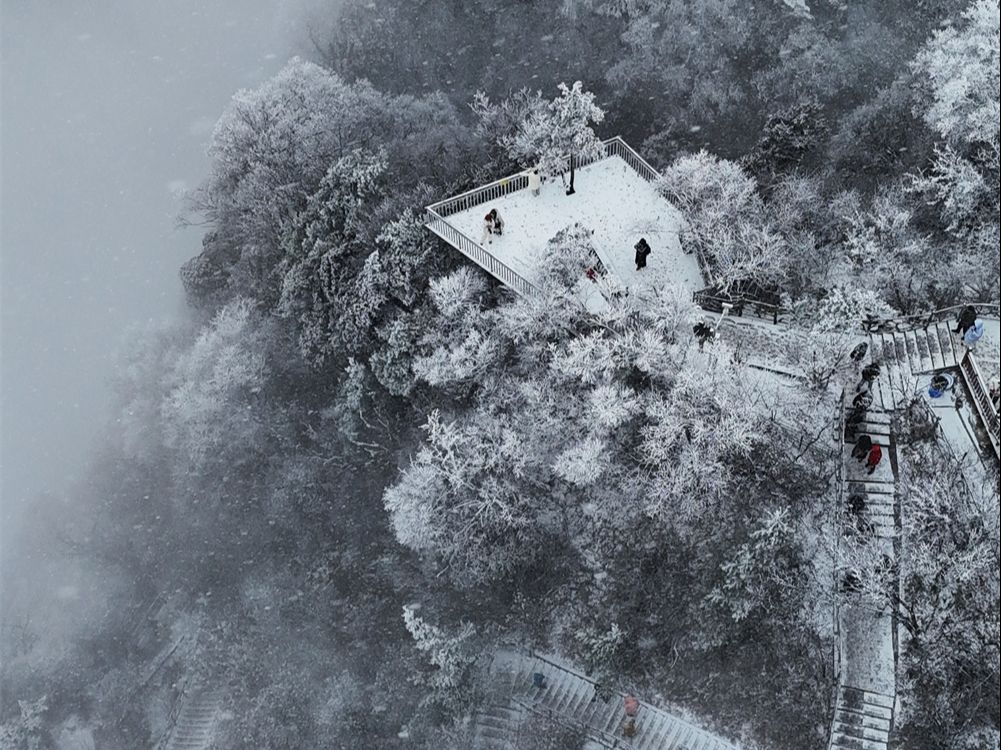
[904, 355]
[497, 726]
[195, 725]
[571, 698]
[877, 492]
[863, 716]
[862, 720]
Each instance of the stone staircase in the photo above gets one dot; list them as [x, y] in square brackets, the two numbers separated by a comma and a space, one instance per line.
[570, 698]
[498, 726]
[196, 720]
[906, 354]
[878, 492]
[863, 716]
[862, 720]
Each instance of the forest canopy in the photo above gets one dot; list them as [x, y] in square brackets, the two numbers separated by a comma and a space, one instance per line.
[362, 462]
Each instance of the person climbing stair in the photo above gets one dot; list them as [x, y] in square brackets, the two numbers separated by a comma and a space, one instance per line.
[875, 456]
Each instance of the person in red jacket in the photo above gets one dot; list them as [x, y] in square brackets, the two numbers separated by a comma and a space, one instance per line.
[875, 456]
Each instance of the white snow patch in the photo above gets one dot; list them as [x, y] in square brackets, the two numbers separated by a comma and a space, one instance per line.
[611, 199]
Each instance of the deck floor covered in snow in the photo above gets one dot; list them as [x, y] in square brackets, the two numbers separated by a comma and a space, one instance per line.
[612, 200]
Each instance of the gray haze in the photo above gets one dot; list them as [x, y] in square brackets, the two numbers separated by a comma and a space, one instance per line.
[107, 107]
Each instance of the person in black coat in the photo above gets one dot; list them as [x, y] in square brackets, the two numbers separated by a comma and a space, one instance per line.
[966, 319]
[703, 333]
[870, 372]
[862, 447]
[642, 251]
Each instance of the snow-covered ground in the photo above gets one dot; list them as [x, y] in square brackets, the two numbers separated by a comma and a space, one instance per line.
[868, 649]
[613, 201]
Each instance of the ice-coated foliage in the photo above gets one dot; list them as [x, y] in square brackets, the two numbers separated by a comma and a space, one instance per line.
[725, 220]
[451, 655]
[961, 66]
[550, 133]
[590, 484]
[212, 382]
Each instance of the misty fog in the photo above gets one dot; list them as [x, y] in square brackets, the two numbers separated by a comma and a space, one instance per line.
[500, 374]
[108, 106]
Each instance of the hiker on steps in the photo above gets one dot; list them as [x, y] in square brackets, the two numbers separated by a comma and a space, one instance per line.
[858, 353]
[862, 447]
[871, 371]
[864, 386]
[862, 400]
[967, 317]
[853, 421]
[875, 456]
[856, 503]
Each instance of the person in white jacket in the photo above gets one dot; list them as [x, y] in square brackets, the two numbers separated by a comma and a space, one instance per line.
[534, 181]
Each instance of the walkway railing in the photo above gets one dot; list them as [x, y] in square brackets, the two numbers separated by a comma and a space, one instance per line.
[475, 252]
[872, 324]
[711, 299]
[437, 213]
[982, 400]
[839, 511]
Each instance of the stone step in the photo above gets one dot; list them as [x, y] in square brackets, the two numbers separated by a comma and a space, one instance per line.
[934, 347]
[924, 352]
[870, 428]
[569, 697]
[842, 742]
[854, 718]
[949, 344]
[861, 731]
[866, 702]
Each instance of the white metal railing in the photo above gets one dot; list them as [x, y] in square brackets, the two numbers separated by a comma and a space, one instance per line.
[982, 400]
[438, 223]
[475, 252]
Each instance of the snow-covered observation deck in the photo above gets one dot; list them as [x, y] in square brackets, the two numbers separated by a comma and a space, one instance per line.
[615, 198]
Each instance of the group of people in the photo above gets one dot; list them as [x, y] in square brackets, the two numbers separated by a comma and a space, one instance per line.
[868, 451]
[865, 449]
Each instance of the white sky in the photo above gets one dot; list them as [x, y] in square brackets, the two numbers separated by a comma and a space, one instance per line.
[107, 106]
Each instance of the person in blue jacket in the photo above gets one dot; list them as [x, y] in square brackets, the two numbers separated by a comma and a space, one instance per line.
[973, 333]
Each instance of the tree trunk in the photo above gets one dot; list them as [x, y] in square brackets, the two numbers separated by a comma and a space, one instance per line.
[570, 190]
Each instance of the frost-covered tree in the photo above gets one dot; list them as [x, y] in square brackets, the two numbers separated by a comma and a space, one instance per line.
[557, 135]
[961, 67]
[451, 657]
[211, 386]
[725, 221]
[330, 283]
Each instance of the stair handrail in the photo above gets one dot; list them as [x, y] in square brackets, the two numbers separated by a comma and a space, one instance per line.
[974, 380]
[872, 324]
